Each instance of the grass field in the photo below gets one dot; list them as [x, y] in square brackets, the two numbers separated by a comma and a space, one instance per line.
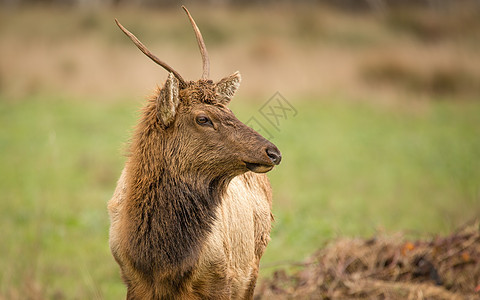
[348, 170]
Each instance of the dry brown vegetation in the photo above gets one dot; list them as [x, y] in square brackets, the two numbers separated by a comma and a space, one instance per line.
[440, 79]
[311, 50]
[386, 267]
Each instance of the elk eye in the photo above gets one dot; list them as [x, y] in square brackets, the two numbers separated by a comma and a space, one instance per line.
[204, 121]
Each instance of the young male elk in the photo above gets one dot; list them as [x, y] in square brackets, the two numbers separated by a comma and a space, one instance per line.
[191, 214]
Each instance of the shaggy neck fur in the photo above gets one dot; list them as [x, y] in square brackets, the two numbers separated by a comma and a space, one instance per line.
[170, 213]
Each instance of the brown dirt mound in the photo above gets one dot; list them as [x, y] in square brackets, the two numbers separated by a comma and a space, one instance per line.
[386, 268]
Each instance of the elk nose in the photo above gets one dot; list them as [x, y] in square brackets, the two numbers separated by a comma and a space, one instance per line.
[274, 155]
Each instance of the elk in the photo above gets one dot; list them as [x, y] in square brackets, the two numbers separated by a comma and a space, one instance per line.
[191, 213]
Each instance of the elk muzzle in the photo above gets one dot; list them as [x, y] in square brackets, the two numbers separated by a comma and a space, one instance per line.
[272, 157]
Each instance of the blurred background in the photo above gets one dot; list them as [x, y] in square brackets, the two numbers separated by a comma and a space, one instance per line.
[382, 132]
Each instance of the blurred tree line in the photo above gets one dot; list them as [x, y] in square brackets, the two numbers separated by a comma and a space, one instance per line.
[350, 5]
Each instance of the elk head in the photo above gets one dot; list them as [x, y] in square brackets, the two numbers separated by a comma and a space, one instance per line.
[198, 134]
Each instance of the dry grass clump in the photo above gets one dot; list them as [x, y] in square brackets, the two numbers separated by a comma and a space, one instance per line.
[437, 79]
[446, 20]
[386, 268]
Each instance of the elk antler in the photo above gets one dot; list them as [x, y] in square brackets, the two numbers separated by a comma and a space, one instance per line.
[201, 46]
[149, 54]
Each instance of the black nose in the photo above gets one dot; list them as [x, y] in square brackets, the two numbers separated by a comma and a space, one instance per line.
[274, 155]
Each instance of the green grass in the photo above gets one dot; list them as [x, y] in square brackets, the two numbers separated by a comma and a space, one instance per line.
[350, 169]
[60, 160]
[347, 170]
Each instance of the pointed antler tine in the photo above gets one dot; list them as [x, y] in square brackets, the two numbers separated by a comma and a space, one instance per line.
[201, 46]
[150, 54]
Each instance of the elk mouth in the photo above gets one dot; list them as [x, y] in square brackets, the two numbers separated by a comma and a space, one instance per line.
[258, 168]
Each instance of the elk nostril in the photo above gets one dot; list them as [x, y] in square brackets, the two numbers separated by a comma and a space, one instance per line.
[274, 155]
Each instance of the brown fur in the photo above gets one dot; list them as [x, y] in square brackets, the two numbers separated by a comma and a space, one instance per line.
[188, 217]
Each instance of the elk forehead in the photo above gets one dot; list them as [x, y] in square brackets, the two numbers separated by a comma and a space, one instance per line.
[199, 91]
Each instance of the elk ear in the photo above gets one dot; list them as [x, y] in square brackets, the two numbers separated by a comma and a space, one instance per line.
[227, 87]
[168, 100]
